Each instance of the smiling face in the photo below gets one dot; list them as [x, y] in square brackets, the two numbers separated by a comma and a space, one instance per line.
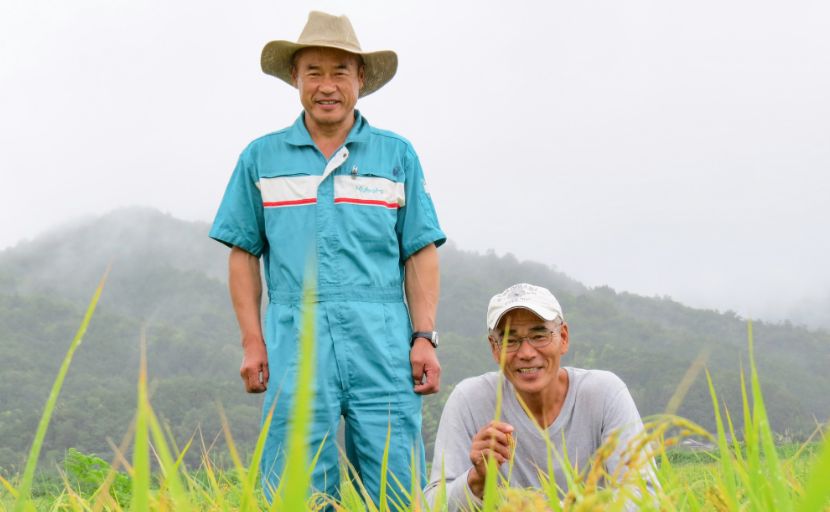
[533, 371]
[329, 81]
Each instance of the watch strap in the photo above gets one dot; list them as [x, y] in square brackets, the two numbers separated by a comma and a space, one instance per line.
[427, 335]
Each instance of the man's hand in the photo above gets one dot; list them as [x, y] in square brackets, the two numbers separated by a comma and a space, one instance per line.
[421, 283]
[426, 371]
[245, 285]
[254, 370]
[493, 440]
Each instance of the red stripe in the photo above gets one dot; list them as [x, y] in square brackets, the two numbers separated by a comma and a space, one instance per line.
[289, 203]
[373, 202]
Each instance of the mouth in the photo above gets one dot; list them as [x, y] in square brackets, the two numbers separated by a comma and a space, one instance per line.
[327, 102]
[529, 370]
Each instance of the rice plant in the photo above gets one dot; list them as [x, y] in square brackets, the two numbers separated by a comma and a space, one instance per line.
[737, 476]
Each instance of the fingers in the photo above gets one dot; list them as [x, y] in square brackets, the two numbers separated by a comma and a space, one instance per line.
[479, 458]
[255, 377]
[483, 455]
[499, 450]
[266, 374]
[254, 383]
[492, 440]
[501, 426]
[494, 429]
[426, 371]
[430, 381]
[417, 373]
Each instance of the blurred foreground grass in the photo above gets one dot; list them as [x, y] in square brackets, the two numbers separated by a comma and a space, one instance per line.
[754, 475]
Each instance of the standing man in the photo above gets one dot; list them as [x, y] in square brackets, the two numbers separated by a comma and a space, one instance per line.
[333, 190]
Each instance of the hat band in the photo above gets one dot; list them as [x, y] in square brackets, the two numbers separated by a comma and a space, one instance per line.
[337, 44]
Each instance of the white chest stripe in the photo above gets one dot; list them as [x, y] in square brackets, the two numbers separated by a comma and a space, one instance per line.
[289, 190]
[366, 190]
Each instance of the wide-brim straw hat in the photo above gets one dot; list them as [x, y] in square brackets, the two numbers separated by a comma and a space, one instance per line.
[327, 31]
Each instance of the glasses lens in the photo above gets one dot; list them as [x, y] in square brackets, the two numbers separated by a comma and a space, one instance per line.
[513, 344]
[538, 339]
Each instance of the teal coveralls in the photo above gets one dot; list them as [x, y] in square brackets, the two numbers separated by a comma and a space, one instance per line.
[361, 214]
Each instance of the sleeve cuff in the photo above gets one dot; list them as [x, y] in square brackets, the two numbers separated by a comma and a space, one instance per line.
[235, 240]
[435, 236]
[460, 496]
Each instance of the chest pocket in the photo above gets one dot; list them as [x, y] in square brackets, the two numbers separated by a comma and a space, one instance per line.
[367, 205]
[371, 189]
[288, 189]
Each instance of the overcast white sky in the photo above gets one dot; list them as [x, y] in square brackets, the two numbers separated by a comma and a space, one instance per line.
[659, 147]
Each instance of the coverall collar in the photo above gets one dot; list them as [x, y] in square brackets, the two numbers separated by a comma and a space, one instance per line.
[298, 133]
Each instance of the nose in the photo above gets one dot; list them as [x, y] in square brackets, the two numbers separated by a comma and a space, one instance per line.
[526, 350]
[327, 85]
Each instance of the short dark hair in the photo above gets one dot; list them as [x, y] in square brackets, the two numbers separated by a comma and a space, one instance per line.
[358, 57]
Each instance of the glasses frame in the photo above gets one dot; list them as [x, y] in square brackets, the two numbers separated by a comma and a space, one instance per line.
[499, 341]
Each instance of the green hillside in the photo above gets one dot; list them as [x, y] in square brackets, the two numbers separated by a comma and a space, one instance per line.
[168, 276]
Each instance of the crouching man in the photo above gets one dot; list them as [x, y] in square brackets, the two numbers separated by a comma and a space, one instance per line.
[580, 407]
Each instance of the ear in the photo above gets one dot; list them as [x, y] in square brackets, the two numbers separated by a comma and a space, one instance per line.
[564, 339]
[361, 74]
[294, 76]
[494, 350]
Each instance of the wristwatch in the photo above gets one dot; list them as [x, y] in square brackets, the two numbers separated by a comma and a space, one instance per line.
[431, 336]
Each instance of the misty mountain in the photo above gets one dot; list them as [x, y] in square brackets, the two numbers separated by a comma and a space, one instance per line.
[812, 311]
[169, 279]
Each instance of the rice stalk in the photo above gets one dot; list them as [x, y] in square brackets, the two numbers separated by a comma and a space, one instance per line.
[25, 489]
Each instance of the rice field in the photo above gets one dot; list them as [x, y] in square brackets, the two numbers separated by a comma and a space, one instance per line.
[753, 475]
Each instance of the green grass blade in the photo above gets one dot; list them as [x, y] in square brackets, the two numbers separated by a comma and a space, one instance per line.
[141, 446]
[9, 487]
[353, 483]
[439, 503]
[491, 489]
[247, 494]
[248, 497]
[754, 481]
[103, 498]
[779, 494]
[817, 493]
[688, 379]
[502, 362]
[415, 482]
[383, 503]
[25, 488]
[296, 477]
[549, 485]
[739, 457]
[169, 467]
[217, 496]
[491, 480]
[725, 459]
[401, 496]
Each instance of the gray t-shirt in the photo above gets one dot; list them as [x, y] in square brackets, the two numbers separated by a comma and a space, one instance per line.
[597, 402]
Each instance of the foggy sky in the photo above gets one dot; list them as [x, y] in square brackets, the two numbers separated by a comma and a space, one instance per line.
[664, 148]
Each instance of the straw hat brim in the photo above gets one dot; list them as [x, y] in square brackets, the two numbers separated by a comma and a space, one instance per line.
[379, 67]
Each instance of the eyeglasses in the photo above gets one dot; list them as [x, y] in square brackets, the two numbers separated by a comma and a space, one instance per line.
[536, 339]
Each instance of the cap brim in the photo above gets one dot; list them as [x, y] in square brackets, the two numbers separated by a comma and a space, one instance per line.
[547, 315]
[379, 67]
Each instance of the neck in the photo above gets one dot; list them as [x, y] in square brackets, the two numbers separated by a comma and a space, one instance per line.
[329, 137]
[546, 406]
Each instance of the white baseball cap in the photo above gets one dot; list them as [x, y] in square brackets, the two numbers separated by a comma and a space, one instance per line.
[535, 298]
